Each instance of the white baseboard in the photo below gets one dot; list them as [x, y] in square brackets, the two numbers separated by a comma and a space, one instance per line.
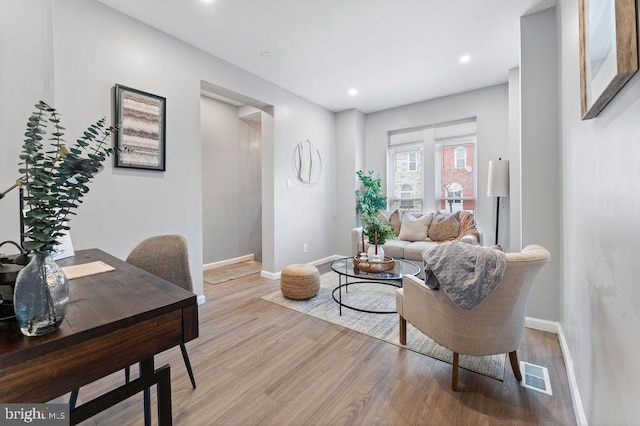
[276, 276]
[270, 275]
[226, 262]
[202, 299]
[542, 325]
[578, 409]
[326, 259]
[556, 328]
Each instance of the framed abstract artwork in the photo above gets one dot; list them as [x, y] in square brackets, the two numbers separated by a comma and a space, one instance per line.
[140, 140]
[608, 51]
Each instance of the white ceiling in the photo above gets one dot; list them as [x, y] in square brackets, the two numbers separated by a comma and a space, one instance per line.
[394, 52]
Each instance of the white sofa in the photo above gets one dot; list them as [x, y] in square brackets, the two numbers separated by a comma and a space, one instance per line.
[416, 234]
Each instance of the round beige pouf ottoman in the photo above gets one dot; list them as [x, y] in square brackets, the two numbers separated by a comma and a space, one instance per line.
[299, 281]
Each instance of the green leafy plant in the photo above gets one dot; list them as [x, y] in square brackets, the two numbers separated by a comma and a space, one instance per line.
[370, 202]
[56, 176]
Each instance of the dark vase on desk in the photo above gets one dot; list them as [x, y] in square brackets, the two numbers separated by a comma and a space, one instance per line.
[40, 296]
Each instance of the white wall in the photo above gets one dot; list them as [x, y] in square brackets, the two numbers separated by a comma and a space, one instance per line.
[95, 47]
[601, 206]
[489, 106]
[540, 155]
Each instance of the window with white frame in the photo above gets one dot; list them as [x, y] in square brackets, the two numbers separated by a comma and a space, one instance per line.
[460, 160]
[405, 175]
[413, 161]
[406, 197]
[433, 168]
[455, 174]
[455, 193]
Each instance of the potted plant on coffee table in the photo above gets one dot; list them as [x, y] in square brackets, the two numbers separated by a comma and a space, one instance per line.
[370, 202]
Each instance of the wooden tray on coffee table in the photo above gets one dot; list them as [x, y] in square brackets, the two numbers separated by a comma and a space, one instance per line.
[383, 266]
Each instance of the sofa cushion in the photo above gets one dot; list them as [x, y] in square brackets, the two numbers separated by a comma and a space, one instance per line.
[413, 251]
[415, 229]
[445, 229]
[395, 248]
[392, 219]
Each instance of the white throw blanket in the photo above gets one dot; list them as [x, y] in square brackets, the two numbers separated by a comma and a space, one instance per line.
[467, 273]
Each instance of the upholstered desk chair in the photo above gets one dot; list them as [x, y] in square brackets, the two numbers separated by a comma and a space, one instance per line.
[167, 257]
[495, 326]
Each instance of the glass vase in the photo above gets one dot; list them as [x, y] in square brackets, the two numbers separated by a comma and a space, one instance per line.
[40, 296]
[372, 256]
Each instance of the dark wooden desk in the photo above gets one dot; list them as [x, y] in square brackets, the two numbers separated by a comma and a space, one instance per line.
[114, 319]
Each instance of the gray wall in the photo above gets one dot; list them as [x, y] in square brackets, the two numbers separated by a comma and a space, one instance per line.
[249, 197]
[514, 200]
[219, 129]
[231, 182]
[349, 153]
[540, 155]
[302, 214]
[491, 109]
[26, 76]
[600, 180]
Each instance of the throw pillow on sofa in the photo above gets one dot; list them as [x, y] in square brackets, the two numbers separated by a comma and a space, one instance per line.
[415, 229]
[445, 228]
[468, 226]
[392, 220]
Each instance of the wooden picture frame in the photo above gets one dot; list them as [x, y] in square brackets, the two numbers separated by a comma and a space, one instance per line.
[140, 140]
[608, 51]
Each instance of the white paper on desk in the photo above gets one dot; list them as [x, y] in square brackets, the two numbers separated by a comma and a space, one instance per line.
[64, 247]
[86, 269]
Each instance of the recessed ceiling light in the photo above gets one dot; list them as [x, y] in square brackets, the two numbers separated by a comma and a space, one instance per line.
[352, 92]
[267, 55]
[464, 59]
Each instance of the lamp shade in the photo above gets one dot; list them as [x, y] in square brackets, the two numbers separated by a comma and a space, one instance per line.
[498, 185]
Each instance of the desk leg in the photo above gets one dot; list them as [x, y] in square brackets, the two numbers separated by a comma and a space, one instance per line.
[165, 416]
[148, 377]
[146, 368]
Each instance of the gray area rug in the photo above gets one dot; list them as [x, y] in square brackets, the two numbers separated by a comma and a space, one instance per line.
[242, 269]
[381, 326]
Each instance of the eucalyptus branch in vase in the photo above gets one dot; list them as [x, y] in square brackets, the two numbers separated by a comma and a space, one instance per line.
[55, 177]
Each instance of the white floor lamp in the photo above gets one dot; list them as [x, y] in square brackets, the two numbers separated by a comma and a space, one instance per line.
[498, 185]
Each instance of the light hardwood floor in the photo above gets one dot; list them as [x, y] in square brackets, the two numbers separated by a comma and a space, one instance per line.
[259, 363]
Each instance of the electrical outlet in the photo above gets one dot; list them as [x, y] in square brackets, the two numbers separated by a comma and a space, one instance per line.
[305, 247]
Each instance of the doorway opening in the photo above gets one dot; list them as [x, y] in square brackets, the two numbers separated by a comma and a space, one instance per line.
[232, 156]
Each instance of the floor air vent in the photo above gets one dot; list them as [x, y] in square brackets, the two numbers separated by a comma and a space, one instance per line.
[535, 377]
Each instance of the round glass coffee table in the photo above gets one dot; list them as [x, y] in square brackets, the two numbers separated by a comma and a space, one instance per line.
[345, 270]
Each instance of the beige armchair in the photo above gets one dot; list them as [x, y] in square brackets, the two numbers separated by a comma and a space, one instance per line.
[495, 326]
